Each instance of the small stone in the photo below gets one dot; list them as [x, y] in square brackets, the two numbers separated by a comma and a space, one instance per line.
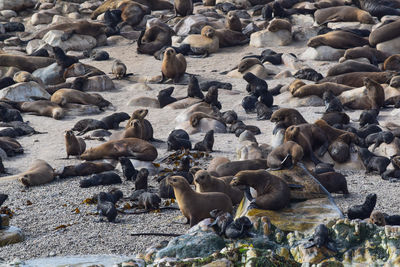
[8, 13]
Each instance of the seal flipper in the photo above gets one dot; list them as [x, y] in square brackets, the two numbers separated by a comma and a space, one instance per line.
[287, 162]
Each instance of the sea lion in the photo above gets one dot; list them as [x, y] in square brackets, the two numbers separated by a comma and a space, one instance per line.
[351, 66]
[285, 117]
[154, 38]
[205, 43]
[373, 162]
[141, 179]
[145, 126]
[197, 206]
[74, 146]
[377, 218]
[65, 96]
[369, 117]
[183, 7]
[118, 69]
[81, 27]
[128, 147]
[11, 146]
[133, 12]
[272, 192]
[263, 112]
[333, 133]
[285, 155]
[332, 103]
[39, 173]
[164, 97]
[364, 210]
[43, 108]
[86, 125]
[373, 55]
[207, 143]
[377, 139]
[173, 65]
[355, 79]
[342, 14]
[375, 93]
[112, 121]
[128, 170]
[334, 182]
[26, 63]
[232, 22]
[194, 88]
[258, 88]
[320, 239]
[206, 183]
[104, 178]
[106, 208]
[279, 24]
[228, 38]
[230, 168]
[149, 201]
[392, 63]
[320, 89]
[134, 130]
[385, 33]
[337, 39]
[62, 59]
[85, 168]
[82, 72]
[178, 139]
[295, 85]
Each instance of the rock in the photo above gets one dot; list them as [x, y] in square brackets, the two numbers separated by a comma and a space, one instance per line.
[138, 164]
[8, 13]
[35, 45]
[53, 74]
[16, 5]
[57, 19]
[391, 47]
[204, 126]
[98, 83]
[195, 244]
[292, 62]
[306, 21]
[24, 91]
[76, 42]
[10, 235]
[304, 34]
[118, 40]
[283, 74]
[349, 26]
[220, 263]
[74, 16]
[266, 38]
[41, 18]
[323, 53]
[72, 109]
[144, 102]
[140, 87]
[44, 6]
[68, 7]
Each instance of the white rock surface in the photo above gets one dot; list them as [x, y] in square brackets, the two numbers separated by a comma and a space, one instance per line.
[266, 38]
[76, 42]
[24, 91]
[322, 53]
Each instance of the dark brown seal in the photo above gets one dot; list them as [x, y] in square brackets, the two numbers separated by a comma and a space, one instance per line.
[85, 168]
[206, 183]
[385, 33]
[334, 182]
[74, 146]
[26, 63]
[232, 167]
[153, 39]
[197, 206]
[272, 192]
[183, 7]
[392, 63]
[372, 54]
[232, 22]
[285, 117]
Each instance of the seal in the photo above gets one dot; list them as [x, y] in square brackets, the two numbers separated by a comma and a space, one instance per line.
[338, 39]
[62, 59]
[104, 178]
[231, 168]
[364, 210]
[86, 125]
[385, 33]
[207, 143]
[154, 38]
[332, 133]
[285, 117]
[377, 218]
[342, 14]
[279, 24]
[373, 55]
[334, 118]
[82, 72]
[258, 88]
[321, 238]
[272, 192]
[228, 38]
[173, 65]
[128, 147]
[205, 43]
[206, 183]
[183, 7]
[392, 63]
[375, 92]
[112, 121]
[214, 163]
[285, 156]
[145, 128]
[320, 89]
[39, 173]
[149, 201]
[197, 206]
[373, 162]
[141, 179]
[178, 139]
[26, 63]
[128, 170]
[106, 208]
[118, 69]
[133, 12]
[334, 182]
[232, 22]
[377, 139]
[74, 146]
[351, 66]
[65, 96]
[85, 169]
[332, 103]
[43, 108]
[356, 79]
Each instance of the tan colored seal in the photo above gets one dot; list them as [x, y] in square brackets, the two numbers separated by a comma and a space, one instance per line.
[26, 63]
[128, 147]
[197, 206]
[286, 117]
[173, 65]
[392, 63]
[279, 24]
[338, 39]
[232, 22]
[355, 79]
[342, 14]
[65, 96]
[39, 173]
[75, 146]
[206, 183]
[377, 218]
[320, 89]
[144, 126]
[43, 108]
[272, 192]
[206, 42]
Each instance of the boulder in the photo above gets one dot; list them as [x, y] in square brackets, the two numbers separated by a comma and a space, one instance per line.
[76, 42]
[50, 75]
[24, 91]
[390, 47]
[41, 18]
[323, 53]
[10, 235]
[16, 5]
[266, 38]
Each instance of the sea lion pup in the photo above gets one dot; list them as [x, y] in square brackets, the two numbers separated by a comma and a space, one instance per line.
[62, 59]
[351, 66]
[356, 79]
[263, 112]
[342, 14]
[128, 147]
[133, 13]
[233, 167]
[372, 54]
[164, 97]
[385, 33]
[74, 146]
[320, 89]
[39, 173]
[375, 92]
[364, 210]
[207, 143]
[194, 88]
[258, 88]
[205, 43]
[141, 179]
[128, 170]
[377, 218]
[118, 69]
[65, 96]
[272, 192]
[183, 7]
[232, 22]
[149, 201]
[336, 118]
[332, 103]
[85, 168]
[197, 206]
[337, 39]
[373, 162]
[178, 140]
[154, 38]
[104, 178]
[392, 63]
[285, 117]
[206, 183]
[369, 117]
[377, 139]
[43, 108]
[285, 156]
[173, 65]
[112, 121]
[82, 72]
[334, 182]
[106, 208]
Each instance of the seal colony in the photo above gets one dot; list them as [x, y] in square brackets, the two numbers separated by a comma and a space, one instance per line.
[249, 108]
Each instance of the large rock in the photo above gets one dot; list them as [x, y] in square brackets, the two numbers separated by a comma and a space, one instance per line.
[16, 5]
[391, 47]
[323, 53]
[76, 42]
[266, 38]
[10, 235]
[41, 18]
[97, 83]
[24, 91]
[52, 74]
